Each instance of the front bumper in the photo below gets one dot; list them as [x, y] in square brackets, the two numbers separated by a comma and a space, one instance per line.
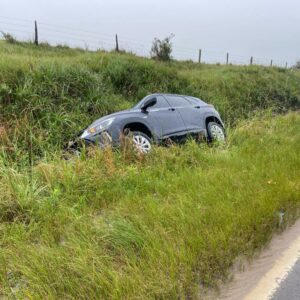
[81, 141]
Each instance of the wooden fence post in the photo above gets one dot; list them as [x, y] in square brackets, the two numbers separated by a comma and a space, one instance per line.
[36, 36]
[117, 43]
[200, 54]
[251, 60]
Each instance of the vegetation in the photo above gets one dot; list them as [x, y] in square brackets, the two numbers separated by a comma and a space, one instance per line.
[162, 49]
[55, 92]
[297, 66]
[9, 38]
[114, 224]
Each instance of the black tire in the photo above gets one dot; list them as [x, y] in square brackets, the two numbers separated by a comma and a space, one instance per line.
[215, 132]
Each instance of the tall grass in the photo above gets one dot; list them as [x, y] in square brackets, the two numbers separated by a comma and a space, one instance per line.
[62, 90]
[114, 224]
[165, 226]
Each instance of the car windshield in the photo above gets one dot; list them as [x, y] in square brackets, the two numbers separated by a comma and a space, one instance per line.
[140, 103]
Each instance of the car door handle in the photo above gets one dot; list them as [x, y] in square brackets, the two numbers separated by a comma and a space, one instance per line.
[172, 109]
[197, 107]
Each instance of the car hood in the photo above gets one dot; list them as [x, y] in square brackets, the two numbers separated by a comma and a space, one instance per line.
[114, 115]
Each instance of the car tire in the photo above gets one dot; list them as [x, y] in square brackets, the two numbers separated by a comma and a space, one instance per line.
[215, 132]
[141, 141]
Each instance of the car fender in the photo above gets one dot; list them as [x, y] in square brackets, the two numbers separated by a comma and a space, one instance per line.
[122, 123]
[214, 115]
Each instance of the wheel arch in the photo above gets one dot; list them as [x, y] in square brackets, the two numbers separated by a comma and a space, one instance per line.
[138, 126]
[212, 118]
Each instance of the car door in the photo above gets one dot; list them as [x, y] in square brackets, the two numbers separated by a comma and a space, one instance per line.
[166, 121]
[189, 112]
[199, 109]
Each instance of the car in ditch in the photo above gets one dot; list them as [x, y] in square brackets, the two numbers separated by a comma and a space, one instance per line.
[154, 120]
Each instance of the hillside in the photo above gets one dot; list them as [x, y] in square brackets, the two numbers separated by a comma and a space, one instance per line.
[113, 224]
[64, 90]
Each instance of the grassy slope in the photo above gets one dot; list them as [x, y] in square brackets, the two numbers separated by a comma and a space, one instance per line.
[115, 225]
[66, 89]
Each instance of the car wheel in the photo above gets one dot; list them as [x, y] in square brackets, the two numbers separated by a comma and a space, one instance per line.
[215, 132]
[141, 141]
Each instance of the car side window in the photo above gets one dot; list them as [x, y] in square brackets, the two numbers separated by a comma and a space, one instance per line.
[197, 101]
[161, 103]
[177, 101]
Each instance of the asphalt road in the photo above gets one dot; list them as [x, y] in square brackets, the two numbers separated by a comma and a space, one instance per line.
[274, 274]
[289, 288]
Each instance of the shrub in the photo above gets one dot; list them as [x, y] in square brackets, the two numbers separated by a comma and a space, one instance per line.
[9, 38]
[162, 49]
[297, 66]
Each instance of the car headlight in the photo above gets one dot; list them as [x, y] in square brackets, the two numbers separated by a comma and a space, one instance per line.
[101, 126]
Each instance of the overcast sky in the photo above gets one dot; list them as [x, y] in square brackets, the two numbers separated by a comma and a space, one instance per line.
[265, 29]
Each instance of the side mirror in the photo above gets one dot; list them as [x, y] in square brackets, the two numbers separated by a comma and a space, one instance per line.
[148, 103]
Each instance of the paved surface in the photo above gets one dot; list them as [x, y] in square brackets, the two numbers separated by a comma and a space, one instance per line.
[273, 275]
[289, 289]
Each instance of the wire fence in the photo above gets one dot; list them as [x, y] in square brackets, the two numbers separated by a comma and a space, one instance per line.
[55, 34]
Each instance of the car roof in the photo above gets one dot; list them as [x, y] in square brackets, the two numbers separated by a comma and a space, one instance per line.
[167, 94]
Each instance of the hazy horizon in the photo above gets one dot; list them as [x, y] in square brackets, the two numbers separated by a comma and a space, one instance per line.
[265, 29]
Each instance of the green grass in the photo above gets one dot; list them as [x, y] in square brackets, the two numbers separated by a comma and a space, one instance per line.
[159, 226]
[116, 225]
[55, 92]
